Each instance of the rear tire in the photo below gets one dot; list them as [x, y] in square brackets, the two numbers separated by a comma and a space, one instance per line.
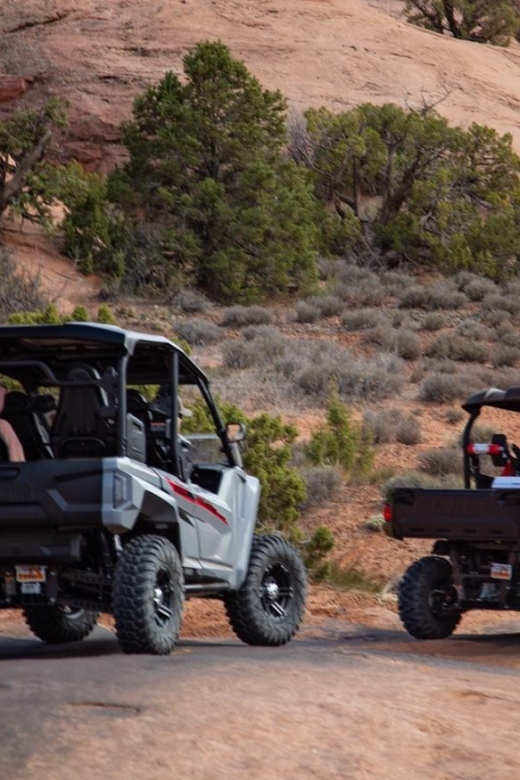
[427, 599]
[148, 596]
[269, 606]
[55, 624]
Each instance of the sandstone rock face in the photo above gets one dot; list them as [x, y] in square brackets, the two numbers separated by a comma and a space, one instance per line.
[101, 54]
[13, 87]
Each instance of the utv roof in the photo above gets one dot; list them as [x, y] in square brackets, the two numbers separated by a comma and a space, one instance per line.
[499, 399]
[79, 332]
[77, 339]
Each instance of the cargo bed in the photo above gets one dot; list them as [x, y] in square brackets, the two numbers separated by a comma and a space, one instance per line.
[470, 515]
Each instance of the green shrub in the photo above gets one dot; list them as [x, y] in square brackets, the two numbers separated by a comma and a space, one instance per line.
[328, 305]
[310, 365]
[392, 425]
[263, 333]
[190, 301]
[474, 330]
[416, 297]
[360, 319]
[395, 282]
[406, 344]
[19, 291]
[454, 347]
[441, 461]
[341, 442]
[259, 347]
[80, 314]
[306, 312]
[380, 377]
[239, 316]
[376, 523]
[419, 479]
[505, 356]
[497, 303]
[198, 331]
[442, 388]
[104, 315]
[330, 268]
[239, 354]
[477, 289]
[321, 483]
[445, 295]
[268, 455]
[367, 291]
[454, 416]
[314, 551]
[382, 335]
[47, 316]
[352, 579]
[434, 321]
[509, 336]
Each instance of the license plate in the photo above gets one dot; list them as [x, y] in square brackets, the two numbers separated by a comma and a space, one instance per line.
[30, 574]
[501, 571]
[31, 588]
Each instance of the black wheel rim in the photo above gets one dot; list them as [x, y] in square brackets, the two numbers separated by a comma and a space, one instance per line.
[163, 599]
[276, 591]
[442, 601]
[71, 613]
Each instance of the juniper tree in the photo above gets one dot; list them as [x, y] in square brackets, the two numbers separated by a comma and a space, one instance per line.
[207, 181]
[484, 21]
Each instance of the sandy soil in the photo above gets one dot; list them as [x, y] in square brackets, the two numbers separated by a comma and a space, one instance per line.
[343, 700]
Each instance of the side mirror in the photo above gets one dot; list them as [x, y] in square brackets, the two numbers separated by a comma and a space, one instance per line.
[236, 432]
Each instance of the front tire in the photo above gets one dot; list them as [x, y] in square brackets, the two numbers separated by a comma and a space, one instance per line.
[55, 624]
[427, 599]
[148, 596]
[269, 606]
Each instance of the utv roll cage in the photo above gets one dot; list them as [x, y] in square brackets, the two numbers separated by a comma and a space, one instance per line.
[498, 448]
[93, 365]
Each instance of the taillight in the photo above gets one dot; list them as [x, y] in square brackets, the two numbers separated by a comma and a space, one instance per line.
[388, 513]
[474, 448]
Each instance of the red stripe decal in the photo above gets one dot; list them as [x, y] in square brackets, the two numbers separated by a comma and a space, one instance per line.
[185, 493]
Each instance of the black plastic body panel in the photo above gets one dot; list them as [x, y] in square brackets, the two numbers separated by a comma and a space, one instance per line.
[40, 548]
[51, 494]
[468, 515]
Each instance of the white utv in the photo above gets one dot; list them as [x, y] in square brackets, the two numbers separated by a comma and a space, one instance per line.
[111, 510]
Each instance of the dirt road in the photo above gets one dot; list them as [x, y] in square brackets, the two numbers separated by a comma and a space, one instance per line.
[339, 702]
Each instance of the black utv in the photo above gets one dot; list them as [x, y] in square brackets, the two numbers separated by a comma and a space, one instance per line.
[475, 560]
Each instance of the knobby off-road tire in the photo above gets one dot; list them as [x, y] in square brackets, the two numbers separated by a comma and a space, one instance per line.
[55, 624]
[148, 596]
[268, 608]
[427, 598]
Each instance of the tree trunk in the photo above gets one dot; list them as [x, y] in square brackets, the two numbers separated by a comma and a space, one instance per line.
[15, 185]
[449, 13]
